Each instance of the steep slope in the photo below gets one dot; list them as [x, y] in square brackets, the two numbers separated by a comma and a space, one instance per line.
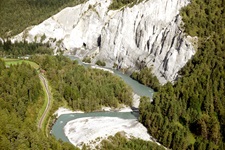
[148, 34]
[16, 15]
[190, 114]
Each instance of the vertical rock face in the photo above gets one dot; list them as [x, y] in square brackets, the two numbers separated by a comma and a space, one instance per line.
[148, 34]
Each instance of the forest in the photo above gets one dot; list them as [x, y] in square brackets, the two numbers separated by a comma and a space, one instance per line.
[119, 142]
[83, 88]
[21, 97]
[146, 77]
[190, 114]
[20, 49]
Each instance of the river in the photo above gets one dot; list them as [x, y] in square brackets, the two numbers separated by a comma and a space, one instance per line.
[139, 89]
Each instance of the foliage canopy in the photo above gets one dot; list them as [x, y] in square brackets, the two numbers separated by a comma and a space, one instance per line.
[20, 97]
[83, 88]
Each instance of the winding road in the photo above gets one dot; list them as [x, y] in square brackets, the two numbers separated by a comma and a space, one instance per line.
[45, 83]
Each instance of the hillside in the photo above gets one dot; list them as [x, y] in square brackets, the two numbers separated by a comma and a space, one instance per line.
[190, 114]
[21, 97]
[16, 15]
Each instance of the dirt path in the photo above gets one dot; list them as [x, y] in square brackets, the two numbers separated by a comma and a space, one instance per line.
[45, 83]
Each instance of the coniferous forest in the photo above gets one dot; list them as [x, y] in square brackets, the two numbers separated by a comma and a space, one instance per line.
[190, 114]
[20, 49]
[21, 98]
[83, 88]
[146, 77]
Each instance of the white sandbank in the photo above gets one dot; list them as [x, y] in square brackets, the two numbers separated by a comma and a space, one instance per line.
[104, 69]
[91, 130]
[125, 109]
[63, 110]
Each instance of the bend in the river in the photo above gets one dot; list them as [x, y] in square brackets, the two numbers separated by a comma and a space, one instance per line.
[139, 89]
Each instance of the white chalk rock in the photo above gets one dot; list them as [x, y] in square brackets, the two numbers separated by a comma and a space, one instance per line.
[148, 34]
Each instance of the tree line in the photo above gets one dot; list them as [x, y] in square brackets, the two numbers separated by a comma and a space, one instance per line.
[19, 49]
[120, 142]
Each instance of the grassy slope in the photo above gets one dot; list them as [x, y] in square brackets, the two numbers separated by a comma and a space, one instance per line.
[9, 62]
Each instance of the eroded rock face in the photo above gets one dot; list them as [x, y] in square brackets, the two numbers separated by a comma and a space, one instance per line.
[148, 34]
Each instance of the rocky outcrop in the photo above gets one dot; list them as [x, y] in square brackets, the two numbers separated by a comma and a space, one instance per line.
[148, 34]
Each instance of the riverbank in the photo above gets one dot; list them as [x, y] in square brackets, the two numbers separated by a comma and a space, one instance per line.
[123, 108]
[101, 68]
[63, 110]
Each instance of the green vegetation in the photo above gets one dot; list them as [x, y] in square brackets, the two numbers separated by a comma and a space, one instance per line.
[16, 15]
[146, 77]
[87, 60]
[9, 61]
[100, 63]
[122, 143]
[115, 65]
[21, 98]
[83, 88]
[21, 49]
[117, 4]
[190, 114]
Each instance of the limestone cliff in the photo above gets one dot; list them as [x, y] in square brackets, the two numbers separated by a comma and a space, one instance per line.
[148, 34]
